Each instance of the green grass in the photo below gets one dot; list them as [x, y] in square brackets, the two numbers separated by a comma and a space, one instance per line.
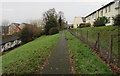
[86, 61]
[28, 58]
[105, 32]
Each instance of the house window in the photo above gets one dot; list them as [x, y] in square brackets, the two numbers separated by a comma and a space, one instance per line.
[109, 19]
[93, 16]
[117, 4]
[109, 8]
[106, 10]
[101, 13]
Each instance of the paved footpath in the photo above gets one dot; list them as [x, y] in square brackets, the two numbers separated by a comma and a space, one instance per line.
[58, 63]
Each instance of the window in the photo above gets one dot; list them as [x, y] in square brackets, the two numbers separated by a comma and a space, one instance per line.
[117, 4]
[109, 19]
[106, 10]
[109, 8]
[101, 13]
[93, 16]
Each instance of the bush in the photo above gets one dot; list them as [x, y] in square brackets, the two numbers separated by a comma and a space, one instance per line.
[29, 33]
[72, 26]
[84, 25]
[53, 30]
[98, 25]
[116, 20]
[101, 21]
[81, 25]
[87, 24]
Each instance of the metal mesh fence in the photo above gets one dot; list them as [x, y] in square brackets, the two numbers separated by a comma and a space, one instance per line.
[107, 47]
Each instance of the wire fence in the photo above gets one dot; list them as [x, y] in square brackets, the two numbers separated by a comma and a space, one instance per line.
[107, 48]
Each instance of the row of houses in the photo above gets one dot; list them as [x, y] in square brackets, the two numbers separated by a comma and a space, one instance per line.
[9, 42]
[12, 28]
[15, 27]
[109, 10]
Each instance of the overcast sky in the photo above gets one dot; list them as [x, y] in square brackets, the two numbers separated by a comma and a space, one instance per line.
[25, 10]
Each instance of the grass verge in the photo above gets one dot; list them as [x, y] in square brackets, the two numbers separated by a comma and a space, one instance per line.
[28, 58]
[86, 61]
[105, 32]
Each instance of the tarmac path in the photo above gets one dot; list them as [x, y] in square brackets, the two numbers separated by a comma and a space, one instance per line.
[59, 63]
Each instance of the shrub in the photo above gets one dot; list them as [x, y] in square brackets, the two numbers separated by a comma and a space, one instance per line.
[101, 21]
[116, 20]
[29, 33]
[84, 25]
[81, 25]
[87, 24]
[72, 26]
[53, 30]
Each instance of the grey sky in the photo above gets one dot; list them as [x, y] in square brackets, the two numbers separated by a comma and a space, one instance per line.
[25, 11]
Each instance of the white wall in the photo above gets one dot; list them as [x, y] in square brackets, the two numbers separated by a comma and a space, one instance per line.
[77, 21]
[109, 14]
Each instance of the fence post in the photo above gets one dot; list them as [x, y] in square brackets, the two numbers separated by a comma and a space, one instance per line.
[110, 50]
[76, 31]
[81, 33]
[87, 37]
[98, 41]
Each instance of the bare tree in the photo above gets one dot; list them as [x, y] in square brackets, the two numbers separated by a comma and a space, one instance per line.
[37, 22]
[61, 19]
[61, 14]
[5, 23]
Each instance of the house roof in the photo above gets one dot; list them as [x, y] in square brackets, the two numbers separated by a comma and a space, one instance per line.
[101, 8]
[16, 24]
[8, 39]
[25, 23]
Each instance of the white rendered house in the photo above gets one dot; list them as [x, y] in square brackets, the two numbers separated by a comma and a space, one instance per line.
[110, 10]
[78, 21]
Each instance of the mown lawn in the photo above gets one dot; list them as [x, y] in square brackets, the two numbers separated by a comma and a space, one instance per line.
[86, 61]
[105, 33]
[28, 58]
